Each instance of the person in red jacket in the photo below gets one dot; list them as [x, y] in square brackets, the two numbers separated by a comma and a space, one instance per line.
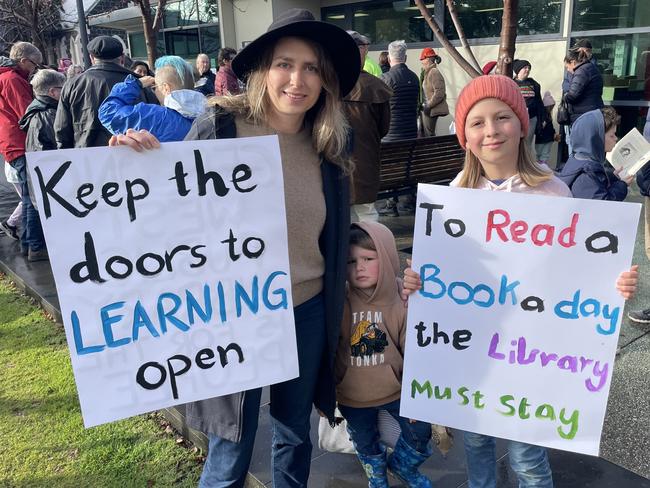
[226, 81]
[15, 96]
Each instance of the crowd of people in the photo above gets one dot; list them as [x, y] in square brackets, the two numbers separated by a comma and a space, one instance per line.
[314, 85]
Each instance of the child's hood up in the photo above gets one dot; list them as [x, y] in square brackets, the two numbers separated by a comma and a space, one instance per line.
[188, 103]
[387, 288]
[588, 136]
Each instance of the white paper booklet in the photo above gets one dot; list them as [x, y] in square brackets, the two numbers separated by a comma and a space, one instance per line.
[631, 153]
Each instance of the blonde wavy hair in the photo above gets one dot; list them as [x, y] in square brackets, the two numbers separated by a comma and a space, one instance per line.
[330, 128]
[529, 170]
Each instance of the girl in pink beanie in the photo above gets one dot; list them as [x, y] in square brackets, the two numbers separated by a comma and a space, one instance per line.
[491, 124]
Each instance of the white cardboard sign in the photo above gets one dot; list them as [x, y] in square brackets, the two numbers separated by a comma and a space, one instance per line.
[514, 332]
[172, 270]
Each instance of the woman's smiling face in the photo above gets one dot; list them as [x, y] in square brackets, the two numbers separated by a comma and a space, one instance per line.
[293, 82]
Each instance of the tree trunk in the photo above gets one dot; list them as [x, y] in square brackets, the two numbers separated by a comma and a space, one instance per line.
[461, 34]
[469, 69]
[150, 34]
[508, 37]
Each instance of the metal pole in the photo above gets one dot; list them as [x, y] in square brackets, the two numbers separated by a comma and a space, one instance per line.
[81, 17]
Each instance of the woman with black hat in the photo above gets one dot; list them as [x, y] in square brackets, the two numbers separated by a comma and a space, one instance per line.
[296, 74]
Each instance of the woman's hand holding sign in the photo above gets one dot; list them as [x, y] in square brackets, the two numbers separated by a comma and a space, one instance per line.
[136, 140]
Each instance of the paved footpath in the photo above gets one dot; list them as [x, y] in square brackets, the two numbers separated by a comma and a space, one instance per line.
[626, 436]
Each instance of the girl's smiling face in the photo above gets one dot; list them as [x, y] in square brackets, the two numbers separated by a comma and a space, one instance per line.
[493, 133]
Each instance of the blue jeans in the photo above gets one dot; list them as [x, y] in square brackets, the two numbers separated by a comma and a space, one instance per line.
[362, 427]
[530, 463]
[31, 236]
[291, 402]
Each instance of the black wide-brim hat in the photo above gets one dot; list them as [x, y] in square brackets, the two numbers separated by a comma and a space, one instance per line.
[295, 22]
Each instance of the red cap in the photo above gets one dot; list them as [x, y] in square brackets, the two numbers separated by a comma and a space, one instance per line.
[427, 52]
[488, 67]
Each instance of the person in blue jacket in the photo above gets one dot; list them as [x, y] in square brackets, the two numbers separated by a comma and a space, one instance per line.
[592, 135]
[169, 121]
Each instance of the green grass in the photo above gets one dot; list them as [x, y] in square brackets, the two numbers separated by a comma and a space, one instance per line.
[42, 438]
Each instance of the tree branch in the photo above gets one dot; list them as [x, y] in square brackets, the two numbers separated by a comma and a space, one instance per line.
[469, 69]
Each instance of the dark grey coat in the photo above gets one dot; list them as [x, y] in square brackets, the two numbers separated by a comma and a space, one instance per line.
[403, 103]
[222, 416]
[38, 122]
[585, 92]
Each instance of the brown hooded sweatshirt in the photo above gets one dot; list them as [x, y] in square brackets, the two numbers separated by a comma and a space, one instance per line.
[370, 353]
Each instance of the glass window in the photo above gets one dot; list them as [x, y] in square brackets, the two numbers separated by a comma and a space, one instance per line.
[139, 48]
[336, 16]
[183, 43]
[624, 61]
[179, 14]
[610, 14]
[382, 21]
[482, 18]
[211, 43]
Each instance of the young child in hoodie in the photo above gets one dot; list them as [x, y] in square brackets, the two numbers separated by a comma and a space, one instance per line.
[491, 124]
[593, 134]
[169, 121]
[370, 357]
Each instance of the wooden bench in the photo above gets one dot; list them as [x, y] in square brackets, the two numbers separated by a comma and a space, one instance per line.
[404, 164]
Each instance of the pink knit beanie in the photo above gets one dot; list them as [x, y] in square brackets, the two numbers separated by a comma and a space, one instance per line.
[490, 86]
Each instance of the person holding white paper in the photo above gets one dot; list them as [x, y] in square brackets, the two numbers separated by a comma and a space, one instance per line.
[491, 123]
[296, 75]
[593, 134]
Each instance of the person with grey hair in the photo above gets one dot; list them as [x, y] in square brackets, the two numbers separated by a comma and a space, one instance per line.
[38, 123]
[77, 123]
[73, 71]
[206, 80]
[369, 65]
[403, 110]
[15, 97]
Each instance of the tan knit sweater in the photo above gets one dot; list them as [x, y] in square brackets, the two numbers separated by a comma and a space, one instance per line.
[305, 207]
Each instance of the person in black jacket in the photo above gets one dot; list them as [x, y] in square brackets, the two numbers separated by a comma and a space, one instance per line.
[38, 122]
[584, 92]
[406, 90]
[206, 81]
[77, 123]
[403, 110]
[531, 92]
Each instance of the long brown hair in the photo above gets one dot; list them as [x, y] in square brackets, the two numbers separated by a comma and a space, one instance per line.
[529, 170]
[330, 128]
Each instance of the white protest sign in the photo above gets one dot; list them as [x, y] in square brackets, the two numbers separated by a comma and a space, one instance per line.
[172, 270]
[514, 331]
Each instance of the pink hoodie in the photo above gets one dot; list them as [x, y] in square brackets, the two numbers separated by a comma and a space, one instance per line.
[515, 184]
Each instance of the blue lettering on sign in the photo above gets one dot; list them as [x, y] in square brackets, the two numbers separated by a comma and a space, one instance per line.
[575, 308]
[434, 288]
[169, 307]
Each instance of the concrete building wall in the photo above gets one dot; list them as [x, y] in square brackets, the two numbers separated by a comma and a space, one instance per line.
[545, 58]
[251, 18]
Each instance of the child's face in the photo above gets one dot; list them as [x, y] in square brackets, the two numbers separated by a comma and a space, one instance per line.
[363, 268]
[610, 139]
[493, 132]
